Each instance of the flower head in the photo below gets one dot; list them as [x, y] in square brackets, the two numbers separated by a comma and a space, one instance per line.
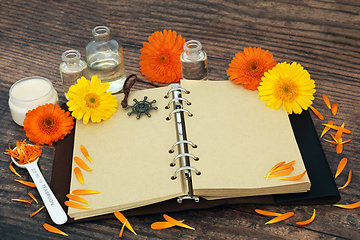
[89, 100]
[47, 124]
[248, 67]
[287, 85]
[160, 58]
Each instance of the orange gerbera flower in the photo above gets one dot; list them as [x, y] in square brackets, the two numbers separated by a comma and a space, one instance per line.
[248, 67]
[160, 58]
[47, 124]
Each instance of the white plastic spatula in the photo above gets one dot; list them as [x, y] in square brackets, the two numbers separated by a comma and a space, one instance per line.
[52, 205]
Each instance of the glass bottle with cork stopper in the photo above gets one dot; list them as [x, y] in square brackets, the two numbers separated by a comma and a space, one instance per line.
[104, 58]
[71, 69]
[194, 61]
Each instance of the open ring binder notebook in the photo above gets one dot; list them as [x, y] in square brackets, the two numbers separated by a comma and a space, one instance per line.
[209, 143]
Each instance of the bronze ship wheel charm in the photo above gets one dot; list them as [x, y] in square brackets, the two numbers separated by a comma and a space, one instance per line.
[141, 107]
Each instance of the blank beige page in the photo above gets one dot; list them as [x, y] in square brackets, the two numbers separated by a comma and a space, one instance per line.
[130, 158]
[239, 140]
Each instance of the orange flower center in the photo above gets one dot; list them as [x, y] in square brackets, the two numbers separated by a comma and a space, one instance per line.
[48, 124]
[254, 68]
[164, 58]
[92, 100]
[286, 90]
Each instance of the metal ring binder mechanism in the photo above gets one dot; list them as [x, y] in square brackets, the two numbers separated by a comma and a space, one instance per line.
[182, 143]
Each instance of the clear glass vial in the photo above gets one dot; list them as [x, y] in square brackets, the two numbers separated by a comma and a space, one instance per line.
[194, 61]
[104, 58]
[71, 69]
[29, 93]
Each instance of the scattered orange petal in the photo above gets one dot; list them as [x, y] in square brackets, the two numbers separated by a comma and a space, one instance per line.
[21, 200]
[347, 182]
[294, 178]
[338, 134]
[84, 192]
[122, 229]
[123, 219]
[344, 130]
[76, 198]
[267, 213]
[326, 100]
[81, 163]
[37, 211]
[317, 113]
[326, 129]
[307, 221]
[26, 183]
[32, 196]
[176, 222]
[85, 152]
[79, 175]
[335, 139]
[339, 148]
[13, 169]
[52, 229]
[274, 167]
[341, 167]
[348, 206]
[345, 141]
[330, 141]
[75, 205]
[283, 173]
[282, 217]
[334, 109]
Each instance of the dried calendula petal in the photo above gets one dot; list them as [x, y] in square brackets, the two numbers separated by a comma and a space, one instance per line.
[122, 219]
[76, 205]
[317, 113]
[267, 213]
[176, 222]
[294, 178]
[326, 100]
[338, 134]
[282, 217]
[326, 129]
[341, 167]
[81, 163]
[85, 152]
[12, 169]
[52, 229]
[122, 229]
[21, 200]
[32, 196]
[79, 175]
[26, 183]
[76, 198]
[334, 109]
[347, 182]
[84, 192]
[348, 206]
[37, 211]
[283, 173]
[339, 148]
[274, 167]
[307, 221]
[344, 130]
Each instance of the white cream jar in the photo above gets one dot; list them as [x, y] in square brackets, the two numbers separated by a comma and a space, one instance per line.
[29, 93]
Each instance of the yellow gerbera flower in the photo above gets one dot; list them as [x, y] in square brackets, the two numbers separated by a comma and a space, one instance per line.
[91, 101]
[287, 85]
[160, 57]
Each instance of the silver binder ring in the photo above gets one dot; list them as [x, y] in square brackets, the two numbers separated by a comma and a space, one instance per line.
[175, 87]
[180, 142]
[183, 155]
[179, 110]
[183, 169]
[177, 99]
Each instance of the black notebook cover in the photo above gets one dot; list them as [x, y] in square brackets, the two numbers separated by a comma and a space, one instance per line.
[323, 188]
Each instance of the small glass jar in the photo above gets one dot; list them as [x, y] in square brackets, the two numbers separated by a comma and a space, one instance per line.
[29, 93]
[71, 69]
[104, 57]
[194, 61]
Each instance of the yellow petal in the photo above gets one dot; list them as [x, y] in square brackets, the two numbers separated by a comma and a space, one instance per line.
[307, 221]
[294, 178]
[326, 129]
[37, 211]
[26, 183]
[85, 152]
[344, 130]
[32, 196]
[283, 173]
[81, 163]
[282, 217]
[176, 222]
[76, 198]
[267, 213]
[53, 229]
[347, 182]
[13, 169]
[348, 206]
[122, 229]
[123, 219]
[341, 167]
[84, 192]
[75, 205]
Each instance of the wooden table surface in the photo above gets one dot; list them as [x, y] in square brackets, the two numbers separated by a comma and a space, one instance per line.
[323, 36]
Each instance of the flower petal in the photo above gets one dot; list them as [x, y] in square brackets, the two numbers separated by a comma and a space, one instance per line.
[176, 222]
[32, 196]
[26, 183]
[85, 152]
[123, 219]
[347, 182]
[21, 200]
[267, 213]
[326, 100]
[341, 167]
[344, 130]
[37, 211]
[283, 173]
[294, 178]
[307, 221]
[76, 205]
[76, 198]
[334, 109]
[317, 113]
[282, 217]
[326, 129]
[13, 169]
[348, 206]
[84, 192]
[81, 163]
[79, 175]
[52, 229]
